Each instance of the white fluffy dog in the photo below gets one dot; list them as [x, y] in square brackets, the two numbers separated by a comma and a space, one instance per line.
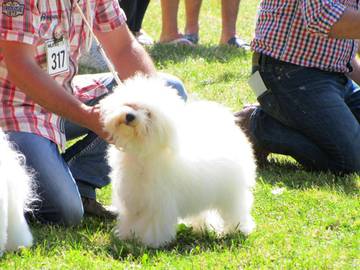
[175, 160]
[16, 193]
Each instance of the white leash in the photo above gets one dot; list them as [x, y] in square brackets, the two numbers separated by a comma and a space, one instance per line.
[90, 36]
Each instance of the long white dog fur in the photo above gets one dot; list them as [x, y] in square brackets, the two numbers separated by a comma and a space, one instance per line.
[16, 194]
[174, 160]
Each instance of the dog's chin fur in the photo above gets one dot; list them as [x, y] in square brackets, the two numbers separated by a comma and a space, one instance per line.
[16, 194]
[176, 161]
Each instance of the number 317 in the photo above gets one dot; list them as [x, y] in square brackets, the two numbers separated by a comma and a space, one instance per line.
[58, 60]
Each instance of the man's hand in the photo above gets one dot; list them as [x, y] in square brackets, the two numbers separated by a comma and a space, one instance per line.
[95, 123]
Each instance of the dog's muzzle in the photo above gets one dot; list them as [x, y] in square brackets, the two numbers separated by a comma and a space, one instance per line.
[129, 117]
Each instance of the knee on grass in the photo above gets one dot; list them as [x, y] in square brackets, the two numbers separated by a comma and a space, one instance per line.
[64, 213]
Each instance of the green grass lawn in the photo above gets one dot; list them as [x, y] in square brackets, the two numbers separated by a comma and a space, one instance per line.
[313, 223]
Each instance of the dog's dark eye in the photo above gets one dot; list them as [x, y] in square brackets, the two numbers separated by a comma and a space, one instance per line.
[148, 114]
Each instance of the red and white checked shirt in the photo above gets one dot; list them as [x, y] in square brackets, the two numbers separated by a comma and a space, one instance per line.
[33, 22]
[296, 31]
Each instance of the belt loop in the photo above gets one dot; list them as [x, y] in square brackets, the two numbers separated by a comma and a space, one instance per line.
[255, 62]
[262, 60]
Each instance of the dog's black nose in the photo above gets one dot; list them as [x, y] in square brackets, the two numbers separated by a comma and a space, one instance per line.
[129, 117]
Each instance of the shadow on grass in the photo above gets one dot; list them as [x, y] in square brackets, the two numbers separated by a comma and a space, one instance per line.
[92, 234]
[290, 174]
[97, 236]
[187, 243]
[163, 54]
[166, 55]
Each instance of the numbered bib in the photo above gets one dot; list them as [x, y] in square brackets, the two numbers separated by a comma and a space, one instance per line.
[57, 56]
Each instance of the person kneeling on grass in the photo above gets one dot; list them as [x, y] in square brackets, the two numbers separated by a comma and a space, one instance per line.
[42, 106]
[310, 102]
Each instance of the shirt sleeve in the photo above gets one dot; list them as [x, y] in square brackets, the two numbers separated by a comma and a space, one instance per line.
[321, 15]
[108, 15]
[18, 20]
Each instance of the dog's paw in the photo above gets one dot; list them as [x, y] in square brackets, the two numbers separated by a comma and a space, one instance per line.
[21, 240]
[247, 227]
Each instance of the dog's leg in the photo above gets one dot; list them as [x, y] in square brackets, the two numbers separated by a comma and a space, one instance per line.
[152, 228]
[160, 230]
[206, 220]
[19, 234]
[125, 226]
[3, 214]
[236, 213]
[198, 223]
[148, 231]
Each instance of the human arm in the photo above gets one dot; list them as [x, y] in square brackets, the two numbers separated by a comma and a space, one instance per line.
[127, 55]
[331, 18]
[25, 73]
[348, 26]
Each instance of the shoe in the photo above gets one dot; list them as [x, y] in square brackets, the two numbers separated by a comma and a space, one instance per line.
[238, 43]
[194, 38]
[94, 208]
[179, 41]
[143, 38]
[242, 119]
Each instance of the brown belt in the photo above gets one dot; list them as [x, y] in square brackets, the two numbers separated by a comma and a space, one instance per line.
[255, 62]
[255, 59]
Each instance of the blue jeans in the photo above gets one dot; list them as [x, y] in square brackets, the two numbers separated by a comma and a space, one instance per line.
[62, 179]
[309, 114]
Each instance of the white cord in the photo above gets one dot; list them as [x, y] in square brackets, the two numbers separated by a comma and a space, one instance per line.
[90, 36]
[90, 26]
